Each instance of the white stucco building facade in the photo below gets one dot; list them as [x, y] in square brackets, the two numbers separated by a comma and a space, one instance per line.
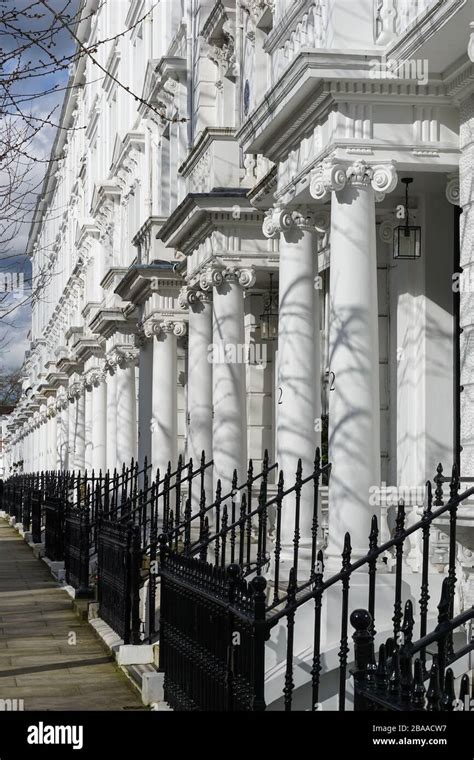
[268, 145]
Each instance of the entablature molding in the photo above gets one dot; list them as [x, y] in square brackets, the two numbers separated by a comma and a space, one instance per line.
[87, 347]
[108, 321]
[57, 379]
[69, 364]
[141, 281]
[313, 85]
[112, 278]
[200, 214]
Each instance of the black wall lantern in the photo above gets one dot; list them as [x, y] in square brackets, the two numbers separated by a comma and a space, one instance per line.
[407, 238]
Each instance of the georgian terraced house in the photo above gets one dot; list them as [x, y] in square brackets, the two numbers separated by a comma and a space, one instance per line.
[229, 263]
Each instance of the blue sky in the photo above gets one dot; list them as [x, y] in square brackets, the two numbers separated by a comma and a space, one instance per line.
[39, 95]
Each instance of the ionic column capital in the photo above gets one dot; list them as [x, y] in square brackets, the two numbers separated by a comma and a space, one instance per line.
[328, 176]
[157, 325]
[191, 296]
[216, 275]
[174, 327]
[122, 357]
[110, 364]
[278, 220]
[94, 378]
[332, 176]
[453, 189]
[61, 399]
[470, 47]
[75, 390]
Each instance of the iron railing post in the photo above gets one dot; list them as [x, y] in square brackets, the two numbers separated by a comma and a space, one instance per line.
[259, 585]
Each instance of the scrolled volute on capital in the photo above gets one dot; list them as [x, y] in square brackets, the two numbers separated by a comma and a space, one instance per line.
[279, 220]
[332, 176]
[216, 276]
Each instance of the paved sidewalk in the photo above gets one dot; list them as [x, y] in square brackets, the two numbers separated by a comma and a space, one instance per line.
[37, 622]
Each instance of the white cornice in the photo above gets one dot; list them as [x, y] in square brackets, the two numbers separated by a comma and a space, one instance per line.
[308, 90]
[202, 213]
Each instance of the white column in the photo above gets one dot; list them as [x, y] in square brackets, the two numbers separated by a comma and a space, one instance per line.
[228, 373]
[111, 382]
[37, 446]
[47, 438]
[25, 450]
[29, 441]
[354, 404]
[34, 463]
[164, 412]
[71, 438]
[145, 386]
[77, 429]
[466, 300]
[99, 423]
[199, 400]
[298, 368]
[63, 436]
[88, 443]
[126, 413]
[53, 437]
[43, 440]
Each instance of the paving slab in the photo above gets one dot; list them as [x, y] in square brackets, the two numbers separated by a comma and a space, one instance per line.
[37, 662]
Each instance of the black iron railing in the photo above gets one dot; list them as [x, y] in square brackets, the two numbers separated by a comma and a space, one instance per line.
[225, 588]
[283, 599]
[398, 679]
[118, 570]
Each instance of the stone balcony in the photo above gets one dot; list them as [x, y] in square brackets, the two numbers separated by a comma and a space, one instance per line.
[303, 26]
[394, 17]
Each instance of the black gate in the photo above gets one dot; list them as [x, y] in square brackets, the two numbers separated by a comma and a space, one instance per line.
[212, 636]
[119, 564]
[54, 528]
[76, 553]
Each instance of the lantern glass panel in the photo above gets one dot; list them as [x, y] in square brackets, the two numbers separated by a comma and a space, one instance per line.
[407, 243]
